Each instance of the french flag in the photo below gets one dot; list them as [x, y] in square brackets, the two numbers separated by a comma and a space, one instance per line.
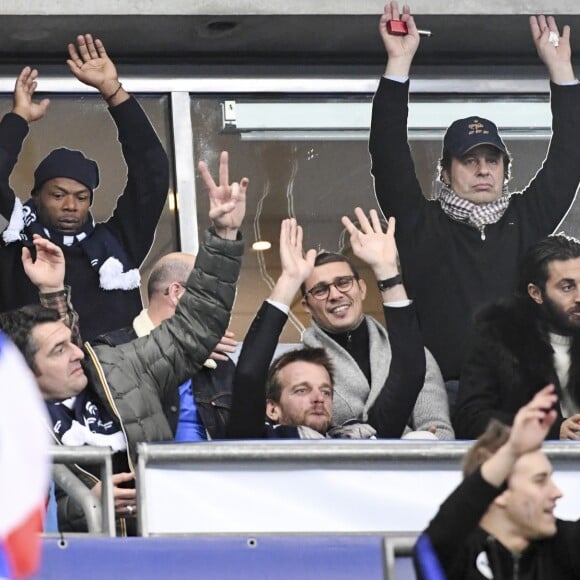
[24, 465]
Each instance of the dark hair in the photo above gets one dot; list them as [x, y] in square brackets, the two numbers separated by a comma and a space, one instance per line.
[535, 263]
[486, 445]
[18, 325]
[444, 164]
[325, 257]
[317, 356]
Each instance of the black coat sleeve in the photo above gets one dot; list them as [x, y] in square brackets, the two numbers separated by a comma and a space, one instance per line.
[391, 411]
[457, 517]
[480, 397]
[551, 192]
[247, 417]
[138, 209]
[13, 130]
[396, 185]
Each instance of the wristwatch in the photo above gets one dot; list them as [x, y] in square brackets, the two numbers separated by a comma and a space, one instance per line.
[389, 282]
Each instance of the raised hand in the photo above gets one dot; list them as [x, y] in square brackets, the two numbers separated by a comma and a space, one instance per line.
[294, 263]
[558, 59]
[227, 202]
[90, 64]
[23, 105]
[296, 267]
[400, 49]
[47, 271]
[533, 421]
[373, 246]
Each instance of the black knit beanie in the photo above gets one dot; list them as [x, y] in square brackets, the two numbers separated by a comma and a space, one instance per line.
[64, 162]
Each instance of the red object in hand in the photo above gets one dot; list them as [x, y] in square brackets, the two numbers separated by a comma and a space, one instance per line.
[397, 27]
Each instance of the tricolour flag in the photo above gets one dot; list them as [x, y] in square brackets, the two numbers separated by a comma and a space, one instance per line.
[24, 465]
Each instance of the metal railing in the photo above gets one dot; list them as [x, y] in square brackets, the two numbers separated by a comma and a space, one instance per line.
[250, 478]
[100, 515]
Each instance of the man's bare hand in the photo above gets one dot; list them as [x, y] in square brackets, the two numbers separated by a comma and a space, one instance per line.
[296, 266]
[554, 50]
[294, 263]
[226, 345]
[570, 428]
[125, 500]
[373, 246]
[88, 61]
[400, 49]
[47, 271]
[533, 421]
[227, 200]
[23, 103]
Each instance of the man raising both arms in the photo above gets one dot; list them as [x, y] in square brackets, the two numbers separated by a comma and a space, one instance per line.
[463, 249]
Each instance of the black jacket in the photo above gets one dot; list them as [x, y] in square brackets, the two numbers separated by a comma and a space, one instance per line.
[462, 548]
[511, 361]
[448, 269]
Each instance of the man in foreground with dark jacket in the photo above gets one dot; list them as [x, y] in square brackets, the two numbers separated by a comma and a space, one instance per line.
[499, 522]
[111, 396]
[527, 343]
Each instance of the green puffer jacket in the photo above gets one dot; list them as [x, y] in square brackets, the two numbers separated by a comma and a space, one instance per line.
[130, 379]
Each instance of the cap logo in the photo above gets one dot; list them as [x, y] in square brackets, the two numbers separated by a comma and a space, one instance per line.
[477, 128]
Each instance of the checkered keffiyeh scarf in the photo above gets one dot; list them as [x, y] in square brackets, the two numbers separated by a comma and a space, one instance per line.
[473, 214]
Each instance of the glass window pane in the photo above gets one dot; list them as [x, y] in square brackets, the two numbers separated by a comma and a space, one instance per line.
[317, 181]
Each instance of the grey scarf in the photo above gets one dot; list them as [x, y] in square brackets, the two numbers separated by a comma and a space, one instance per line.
[352, 396]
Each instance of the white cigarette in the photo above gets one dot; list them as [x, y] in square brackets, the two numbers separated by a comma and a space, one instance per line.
[424, 32]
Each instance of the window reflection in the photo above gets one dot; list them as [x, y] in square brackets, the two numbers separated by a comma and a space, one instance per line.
[317, 182]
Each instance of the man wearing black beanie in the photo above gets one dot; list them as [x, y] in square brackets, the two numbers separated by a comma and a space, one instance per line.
[102, 259]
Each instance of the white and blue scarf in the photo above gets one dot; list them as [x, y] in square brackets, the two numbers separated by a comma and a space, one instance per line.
[82, 421]
[103, 250]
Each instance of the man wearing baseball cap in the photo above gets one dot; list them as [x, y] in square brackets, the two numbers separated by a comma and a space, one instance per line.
[102, 259]
[462, 249]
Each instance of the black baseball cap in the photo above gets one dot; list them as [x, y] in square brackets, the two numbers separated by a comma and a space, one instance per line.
[465, 134]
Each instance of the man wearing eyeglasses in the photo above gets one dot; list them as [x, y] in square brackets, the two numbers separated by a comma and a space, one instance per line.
[295, 393]
[366, 365]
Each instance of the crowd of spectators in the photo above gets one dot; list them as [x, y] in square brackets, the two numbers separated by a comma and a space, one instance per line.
[163, 373]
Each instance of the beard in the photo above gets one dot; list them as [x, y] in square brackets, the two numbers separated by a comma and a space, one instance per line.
[560, 321]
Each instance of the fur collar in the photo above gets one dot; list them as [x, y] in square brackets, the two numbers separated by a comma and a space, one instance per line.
[514, 326]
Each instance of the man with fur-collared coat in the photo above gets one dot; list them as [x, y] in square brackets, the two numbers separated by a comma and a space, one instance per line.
[527, 343]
